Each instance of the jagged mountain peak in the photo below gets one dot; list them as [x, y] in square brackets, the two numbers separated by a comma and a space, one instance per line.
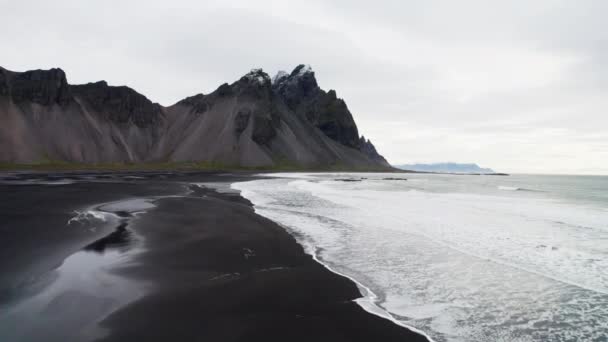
[297, 87]
[255, 83]
[254, 121]
[302, 69]
[257, 76]
[298, 71]
[302, 75]
[280, 76]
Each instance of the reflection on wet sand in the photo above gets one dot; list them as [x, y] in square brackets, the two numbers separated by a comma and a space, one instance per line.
[84, 289]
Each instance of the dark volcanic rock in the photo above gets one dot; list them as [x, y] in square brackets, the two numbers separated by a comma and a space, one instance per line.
[199, 103]
[263, 130]
[43, 87]
[255, 84]
[266, 122]
[4, 75]
[241, 121]
[224, 90]
[253, 122]
[255, 88]
[335, 120]
[326, 111]
[120, 104]
[297, 88]
[370, 151]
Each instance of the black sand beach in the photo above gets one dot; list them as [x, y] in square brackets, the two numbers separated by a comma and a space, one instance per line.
[209, 268]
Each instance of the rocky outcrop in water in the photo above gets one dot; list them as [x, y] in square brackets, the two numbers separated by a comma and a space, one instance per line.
[286, 121]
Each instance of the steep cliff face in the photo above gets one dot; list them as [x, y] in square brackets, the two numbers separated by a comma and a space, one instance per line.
[46, 119]
[370, 151]
[45, 87]
[121, 105]
[255, 121]
[300, 92]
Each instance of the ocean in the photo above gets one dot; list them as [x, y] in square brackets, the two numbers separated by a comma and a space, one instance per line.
[460, 258]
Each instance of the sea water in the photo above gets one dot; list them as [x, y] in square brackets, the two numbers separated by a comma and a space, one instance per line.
[461, 258]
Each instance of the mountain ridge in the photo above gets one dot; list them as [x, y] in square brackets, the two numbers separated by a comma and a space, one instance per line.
[254, 122]
[447, 167]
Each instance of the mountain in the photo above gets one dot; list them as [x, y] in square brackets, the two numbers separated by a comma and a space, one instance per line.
[253, 122]
[446, 168]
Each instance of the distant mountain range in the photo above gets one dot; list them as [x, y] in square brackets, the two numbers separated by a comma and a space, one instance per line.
[446, 168]
[256, 121]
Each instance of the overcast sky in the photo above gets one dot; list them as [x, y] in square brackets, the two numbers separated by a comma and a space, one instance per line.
[518, 86]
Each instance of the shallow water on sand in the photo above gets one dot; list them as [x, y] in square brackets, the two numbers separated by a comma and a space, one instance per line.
[463, 258]
[84, 288]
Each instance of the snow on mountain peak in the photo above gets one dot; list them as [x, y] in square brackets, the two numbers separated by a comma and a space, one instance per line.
[301, 69]
[281, 74]
[258, 75]
[305, 69]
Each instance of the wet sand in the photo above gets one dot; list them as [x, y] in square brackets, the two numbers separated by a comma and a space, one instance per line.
[208, 267]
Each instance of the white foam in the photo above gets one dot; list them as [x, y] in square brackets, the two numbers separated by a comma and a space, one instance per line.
[494, 228]
[106, 212]
[220, 187]
[87, 215]
[461, 267]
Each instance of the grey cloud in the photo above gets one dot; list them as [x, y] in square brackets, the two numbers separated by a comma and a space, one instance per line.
[513, 85]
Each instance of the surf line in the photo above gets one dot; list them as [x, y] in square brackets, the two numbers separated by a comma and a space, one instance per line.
[369, 300]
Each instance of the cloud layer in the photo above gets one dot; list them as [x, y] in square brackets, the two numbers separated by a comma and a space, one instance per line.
[518, 86]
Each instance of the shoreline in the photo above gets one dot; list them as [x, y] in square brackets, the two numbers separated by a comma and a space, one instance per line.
[213, 269]
[372, 307]
[367, 300]
[306, 309]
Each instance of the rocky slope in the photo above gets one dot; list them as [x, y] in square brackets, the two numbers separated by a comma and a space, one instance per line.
[254, 122]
